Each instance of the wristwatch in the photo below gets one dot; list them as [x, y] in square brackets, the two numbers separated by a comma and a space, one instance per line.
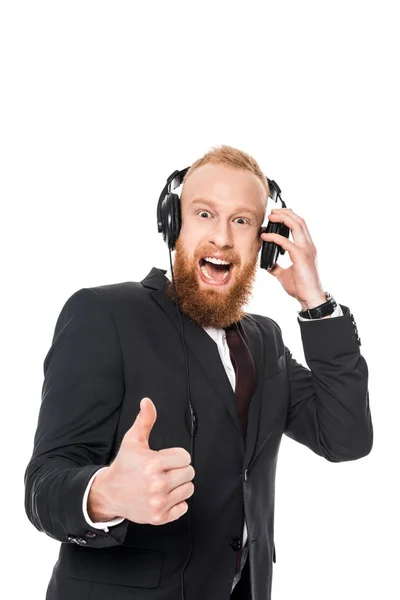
[323, 310]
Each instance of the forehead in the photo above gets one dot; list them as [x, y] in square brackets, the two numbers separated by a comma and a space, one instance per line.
[222, 183]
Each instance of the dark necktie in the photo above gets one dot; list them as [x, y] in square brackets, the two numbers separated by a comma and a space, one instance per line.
[244, 370]
[245, 385]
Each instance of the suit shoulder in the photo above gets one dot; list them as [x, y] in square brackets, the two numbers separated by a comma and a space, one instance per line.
[110, 296]
[115, 291]
[119, 298]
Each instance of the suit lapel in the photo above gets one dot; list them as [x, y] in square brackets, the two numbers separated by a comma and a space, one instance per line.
[205, 351]
[253, 337]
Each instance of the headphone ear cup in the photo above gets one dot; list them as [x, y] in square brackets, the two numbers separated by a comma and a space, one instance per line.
[271, 250]
[175, 220]
[171, 219]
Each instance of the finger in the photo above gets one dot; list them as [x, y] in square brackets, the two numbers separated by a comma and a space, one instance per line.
[276, 270]
[296, 224]
[282, 241]
[143, 424]
[177, 477]
[173, 458]
[179, 494]
[178, 511]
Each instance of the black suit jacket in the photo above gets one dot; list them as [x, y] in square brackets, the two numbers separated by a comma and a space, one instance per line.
[115, 344]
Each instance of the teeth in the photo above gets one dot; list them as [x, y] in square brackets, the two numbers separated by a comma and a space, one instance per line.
[207, 274]
[216, 261]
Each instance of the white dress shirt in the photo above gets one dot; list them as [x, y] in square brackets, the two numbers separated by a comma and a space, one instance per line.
[219, 337]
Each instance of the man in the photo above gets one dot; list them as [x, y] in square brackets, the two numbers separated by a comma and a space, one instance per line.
[111, 476]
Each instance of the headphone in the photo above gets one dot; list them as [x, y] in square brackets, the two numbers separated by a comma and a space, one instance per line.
[169, 218]
[169, 224]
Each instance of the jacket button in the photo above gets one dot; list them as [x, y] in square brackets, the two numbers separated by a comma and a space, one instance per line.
[90, 534]
[71, 538]
[236, 544]
[355, 329]
[80, 541]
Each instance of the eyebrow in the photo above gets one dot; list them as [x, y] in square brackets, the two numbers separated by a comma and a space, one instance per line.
[242, 209]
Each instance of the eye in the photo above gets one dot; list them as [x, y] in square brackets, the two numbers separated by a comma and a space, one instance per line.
[207, 212]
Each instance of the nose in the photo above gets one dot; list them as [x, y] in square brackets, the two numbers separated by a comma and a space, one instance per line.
[222, 236]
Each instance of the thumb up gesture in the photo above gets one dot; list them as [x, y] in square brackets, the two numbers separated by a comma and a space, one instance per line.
[143, 485]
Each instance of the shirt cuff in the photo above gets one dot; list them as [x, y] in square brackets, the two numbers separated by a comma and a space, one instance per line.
[100, 524]
[338, 312]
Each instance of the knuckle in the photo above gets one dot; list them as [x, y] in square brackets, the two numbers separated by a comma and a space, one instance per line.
[148, 469]
[157, 519]
[156, 503]
[151, 468]
[157, 485]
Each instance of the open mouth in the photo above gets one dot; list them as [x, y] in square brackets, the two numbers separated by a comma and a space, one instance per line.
[214, 272]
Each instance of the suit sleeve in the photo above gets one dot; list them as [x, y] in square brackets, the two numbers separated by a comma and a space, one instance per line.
[82, 394]
[329, 402]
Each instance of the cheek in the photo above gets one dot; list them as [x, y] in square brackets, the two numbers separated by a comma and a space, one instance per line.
[191, 242]
[189, 250]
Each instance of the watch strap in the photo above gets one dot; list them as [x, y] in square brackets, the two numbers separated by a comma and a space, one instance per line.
[323, 310]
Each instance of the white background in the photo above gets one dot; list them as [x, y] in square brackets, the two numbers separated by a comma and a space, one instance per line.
[100, 102]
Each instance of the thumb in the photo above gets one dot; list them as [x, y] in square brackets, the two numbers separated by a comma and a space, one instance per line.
[143, 424]
[276, 271]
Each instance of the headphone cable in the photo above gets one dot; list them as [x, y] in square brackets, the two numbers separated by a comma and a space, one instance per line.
[192, 430]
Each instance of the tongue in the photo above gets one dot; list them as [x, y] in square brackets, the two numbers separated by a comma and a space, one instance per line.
[216, 271]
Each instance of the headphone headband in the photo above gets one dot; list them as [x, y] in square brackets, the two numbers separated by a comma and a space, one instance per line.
[176, 178]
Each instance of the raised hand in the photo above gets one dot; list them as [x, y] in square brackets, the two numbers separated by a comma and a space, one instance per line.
[143, 485]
